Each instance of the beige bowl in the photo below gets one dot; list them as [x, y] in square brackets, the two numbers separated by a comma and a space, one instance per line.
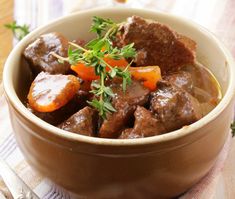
[156, 167]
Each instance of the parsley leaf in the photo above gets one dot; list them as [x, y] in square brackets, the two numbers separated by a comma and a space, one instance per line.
[94, 54]
[19, 31]
[233, 128]
[99, 25]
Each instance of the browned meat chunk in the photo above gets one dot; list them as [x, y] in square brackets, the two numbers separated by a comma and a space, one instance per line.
[79, 42]
[58, 116]
[83, 122]
[129, 134]
[182, 80]
[145, 125]
[125, 104]
[174, 107]
[157, 44]
[38, 54]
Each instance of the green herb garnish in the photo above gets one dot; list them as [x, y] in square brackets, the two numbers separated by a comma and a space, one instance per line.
[93, 54]
[19, 31]
[233, 128]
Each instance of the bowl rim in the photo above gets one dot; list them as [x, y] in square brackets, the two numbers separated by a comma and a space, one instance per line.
[18, 105]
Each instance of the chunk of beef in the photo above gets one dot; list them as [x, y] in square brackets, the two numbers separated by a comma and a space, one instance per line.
[83, 122]
[157, 44]
[125, 104]
[145, 125]
[58, 116]
[38, 54]
[80, 42]
[182, 80]
[174, 107]
[129, 133]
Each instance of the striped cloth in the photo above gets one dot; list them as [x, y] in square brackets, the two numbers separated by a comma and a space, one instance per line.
[39, 12]
[10, 152]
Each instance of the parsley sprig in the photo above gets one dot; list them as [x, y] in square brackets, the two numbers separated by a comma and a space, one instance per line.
[19, 31]
[93, 54]
[233, 128]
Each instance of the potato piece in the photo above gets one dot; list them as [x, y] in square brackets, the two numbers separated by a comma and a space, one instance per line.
[50, 92]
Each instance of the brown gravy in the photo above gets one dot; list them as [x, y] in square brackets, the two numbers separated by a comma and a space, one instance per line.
[206, 88]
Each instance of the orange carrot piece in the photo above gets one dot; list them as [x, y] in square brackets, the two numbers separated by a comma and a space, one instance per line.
[88, 72]
[114, 62]
[50, 92]
[85, 72]
[150, 75]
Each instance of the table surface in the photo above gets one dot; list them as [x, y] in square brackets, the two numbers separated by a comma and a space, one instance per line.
[6, 16]
[216, 15]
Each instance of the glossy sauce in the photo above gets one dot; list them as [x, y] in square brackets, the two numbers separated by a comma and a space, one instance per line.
[206, 88]
[50, 92]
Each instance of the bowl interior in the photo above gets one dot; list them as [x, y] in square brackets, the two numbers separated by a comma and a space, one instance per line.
[77, 26]
[209, 50]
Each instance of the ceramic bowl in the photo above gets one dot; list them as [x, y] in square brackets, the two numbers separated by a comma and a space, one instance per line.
[162, 166]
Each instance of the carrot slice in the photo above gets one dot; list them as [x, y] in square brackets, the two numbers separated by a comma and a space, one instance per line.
[150, 75]
[88, 72]
[85, 72]
[116, 62]
[50, 92]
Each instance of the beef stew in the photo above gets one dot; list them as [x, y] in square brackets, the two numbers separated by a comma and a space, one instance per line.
[158, 90]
